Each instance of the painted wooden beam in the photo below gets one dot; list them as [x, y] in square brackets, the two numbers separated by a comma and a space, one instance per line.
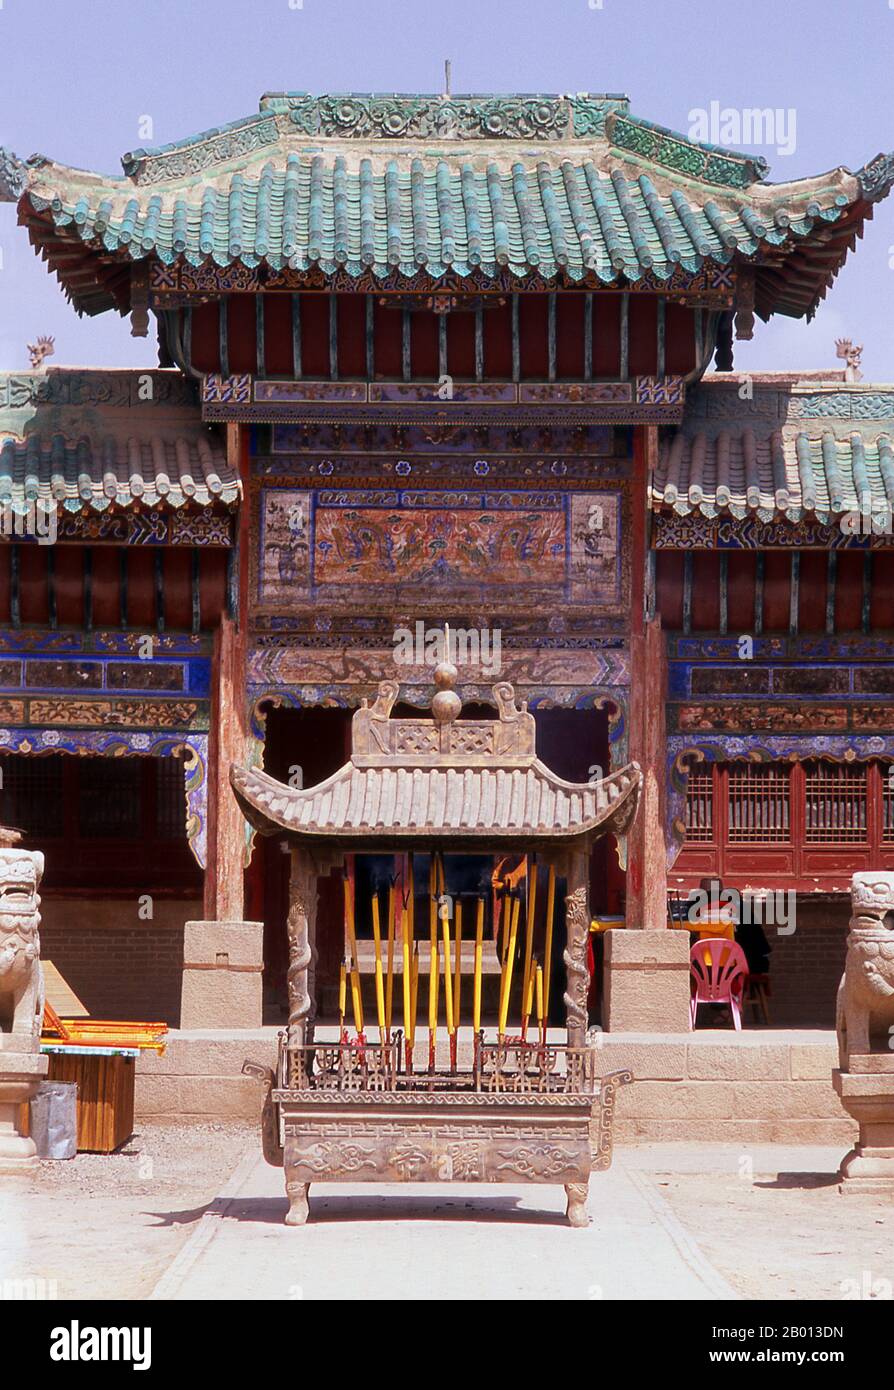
[661, 344]
[52, 614]
[588, 337]
[223, 337]
[88, 591]
[831, 589]
[687, 591]
[479, 344]
[442, 346]
[123, 614]
[551, 335]
[187, 334]
[866, 606]
[333, 337]
[261, 349]
[297, 371]
[15, 594]
[759, 594]
[158, 557]
[195, 592]
[370, 337]
[795, 593]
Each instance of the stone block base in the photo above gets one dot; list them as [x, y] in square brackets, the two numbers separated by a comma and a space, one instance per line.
[199, 1076]
[646, 982]
[222, 975]
[20, 1076]
[869, 1167]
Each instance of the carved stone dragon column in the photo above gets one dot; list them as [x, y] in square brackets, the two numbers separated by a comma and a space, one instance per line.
[301, 925]
[577, 928]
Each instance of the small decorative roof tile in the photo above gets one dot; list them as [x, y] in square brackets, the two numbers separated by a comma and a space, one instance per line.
[798, 447]
[107, 439]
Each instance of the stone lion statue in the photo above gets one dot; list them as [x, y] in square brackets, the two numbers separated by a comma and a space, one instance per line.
[865, 1014]
[21, 976]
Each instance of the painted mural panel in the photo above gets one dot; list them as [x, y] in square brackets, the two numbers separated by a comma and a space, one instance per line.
[386, 545]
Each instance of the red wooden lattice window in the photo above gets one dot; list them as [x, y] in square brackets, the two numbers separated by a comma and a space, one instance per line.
[887, 776]
[700, 808]
[812, 823]
[835, 804]
[759, 804]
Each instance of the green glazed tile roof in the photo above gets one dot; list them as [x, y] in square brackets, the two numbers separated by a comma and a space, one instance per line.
[553, 186]
[798, 448]
[107, 439]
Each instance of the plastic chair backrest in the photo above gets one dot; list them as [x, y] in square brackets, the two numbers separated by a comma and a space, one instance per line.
[718, 970]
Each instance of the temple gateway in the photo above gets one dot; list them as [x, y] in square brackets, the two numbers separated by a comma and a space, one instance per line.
[446, 385]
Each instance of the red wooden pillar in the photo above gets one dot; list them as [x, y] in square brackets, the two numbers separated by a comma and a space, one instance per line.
[646, 861]
[646, 853]
[224, 892]
[646, 966]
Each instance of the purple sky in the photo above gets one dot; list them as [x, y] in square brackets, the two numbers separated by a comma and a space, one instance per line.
[78, 78]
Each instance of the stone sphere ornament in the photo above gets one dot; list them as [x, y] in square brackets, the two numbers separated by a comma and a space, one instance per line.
[446, 705]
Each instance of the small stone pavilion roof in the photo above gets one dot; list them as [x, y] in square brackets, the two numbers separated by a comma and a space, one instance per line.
[802, 445]
[466, 781]
[474, 186]
[100, 440]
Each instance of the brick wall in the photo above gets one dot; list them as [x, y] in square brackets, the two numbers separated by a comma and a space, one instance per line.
[119, 966]
[805, 968]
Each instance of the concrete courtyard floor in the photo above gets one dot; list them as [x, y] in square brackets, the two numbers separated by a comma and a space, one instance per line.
[673, 1221]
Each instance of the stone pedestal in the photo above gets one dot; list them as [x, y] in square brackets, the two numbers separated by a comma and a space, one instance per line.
[868, 1097]
[865, 1026]
[20, 1075]
[646, 981]
[222, 975]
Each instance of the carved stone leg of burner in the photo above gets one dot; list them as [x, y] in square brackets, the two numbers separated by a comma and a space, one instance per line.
[301, 928]
[577, 928]
[576, 1208]
[298, 1204]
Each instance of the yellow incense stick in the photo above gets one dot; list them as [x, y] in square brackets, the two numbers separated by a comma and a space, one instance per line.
[407, 982]
[458, 974]
[356, 998]
[476, 985]
[414, 990]
[529, 997]
[380, 989]
[342, 996]
[531, 879]
[506, 982]
[548, 944]
[433, 963]
[448, 975]
[539, 983]
[507, 915]
[389, 967]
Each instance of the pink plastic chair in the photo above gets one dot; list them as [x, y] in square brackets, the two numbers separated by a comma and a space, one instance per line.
[718, 973]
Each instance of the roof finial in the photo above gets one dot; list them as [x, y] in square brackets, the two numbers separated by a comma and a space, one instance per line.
[852, 355]
[446, 77]
[43, 348]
